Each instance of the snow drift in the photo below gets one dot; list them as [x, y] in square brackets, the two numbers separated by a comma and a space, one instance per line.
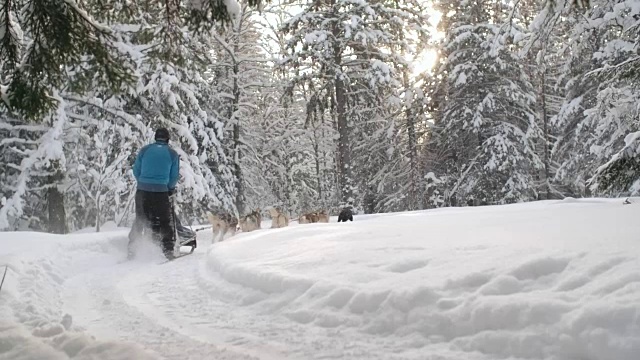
[556, 280]
[548, 280]
[32, 324]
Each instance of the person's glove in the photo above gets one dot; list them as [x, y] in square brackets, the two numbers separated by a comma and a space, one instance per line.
[172, 192]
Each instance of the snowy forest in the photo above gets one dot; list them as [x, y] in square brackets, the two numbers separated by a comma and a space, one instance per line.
[389, 105]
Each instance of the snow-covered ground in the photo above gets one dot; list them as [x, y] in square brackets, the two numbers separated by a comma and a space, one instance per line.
[557, 280]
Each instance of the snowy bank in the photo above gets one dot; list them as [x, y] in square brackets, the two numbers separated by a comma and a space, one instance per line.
[32, 324]
[553, 280]
[547, 280]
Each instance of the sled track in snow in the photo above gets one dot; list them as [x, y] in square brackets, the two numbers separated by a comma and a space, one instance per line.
[185, 310]
[144, 303]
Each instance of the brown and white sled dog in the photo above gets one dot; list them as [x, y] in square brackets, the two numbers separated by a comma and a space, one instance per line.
[278, 218]
[222, 224]
[308, 218]
[251, 222]
[314, 217]
[323, 217]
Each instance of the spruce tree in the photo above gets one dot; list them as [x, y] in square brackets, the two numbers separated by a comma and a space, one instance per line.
[40, 39]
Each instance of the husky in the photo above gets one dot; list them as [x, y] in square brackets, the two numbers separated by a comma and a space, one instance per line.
[251, 222]
[309, 218]
[345, 214]
[314, 217]
[279, 219]
[222, 224]
[323, 217]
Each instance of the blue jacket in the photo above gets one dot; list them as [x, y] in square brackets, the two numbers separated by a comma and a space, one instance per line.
[157, 168]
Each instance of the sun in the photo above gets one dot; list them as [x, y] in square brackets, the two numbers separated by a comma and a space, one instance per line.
[424, 62]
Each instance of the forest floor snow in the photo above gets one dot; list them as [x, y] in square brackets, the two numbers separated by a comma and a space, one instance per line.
[557, 280]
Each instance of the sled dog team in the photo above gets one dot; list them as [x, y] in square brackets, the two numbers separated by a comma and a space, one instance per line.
[223, 223]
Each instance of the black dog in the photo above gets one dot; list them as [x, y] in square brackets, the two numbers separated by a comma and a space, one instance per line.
[345, 214]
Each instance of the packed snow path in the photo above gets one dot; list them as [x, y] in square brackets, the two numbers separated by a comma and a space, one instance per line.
[557, 280]
[140, 303]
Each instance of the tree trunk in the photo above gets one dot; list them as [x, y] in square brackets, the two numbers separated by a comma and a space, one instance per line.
[237, 152]
[319, 112]
[335, 176]
[344, 148]
[413, 156]
[57, 216]
[545, 136]
[414, 198]
[57, 222]
[317, 160]
[98, 213]
[413, 163]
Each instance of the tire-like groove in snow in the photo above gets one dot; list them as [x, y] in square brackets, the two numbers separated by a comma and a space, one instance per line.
[114, 303]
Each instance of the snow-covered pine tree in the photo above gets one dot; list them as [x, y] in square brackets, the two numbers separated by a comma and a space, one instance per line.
[39, 41]
[18, 141]
[348, 48]
[297, 141]
[390, 123]
[240, 75]
[172, 91]
[52, 35]
[37, 75]
[600, 139]
[169, 92]
[321, 133]
[287, 154]
[35, 165]
[436, 157]
[487, 123]
[100, 187]
[396, 182]
[564, 48]
[540, 50]
[296, 136]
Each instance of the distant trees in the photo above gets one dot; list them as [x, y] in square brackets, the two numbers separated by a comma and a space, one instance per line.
[315, 109]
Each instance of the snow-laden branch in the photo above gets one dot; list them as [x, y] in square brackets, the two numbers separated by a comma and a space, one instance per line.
[50, 149]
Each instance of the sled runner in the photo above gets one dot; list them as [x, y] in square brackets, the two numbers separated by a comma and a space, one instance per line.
[185, 236]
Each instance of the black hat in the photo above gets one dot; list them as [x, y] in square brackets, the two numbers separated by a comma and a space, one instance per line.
[162, 134]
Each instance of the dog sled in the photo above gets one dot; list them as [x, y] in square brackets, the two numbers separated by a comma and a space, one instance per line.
[186, 236]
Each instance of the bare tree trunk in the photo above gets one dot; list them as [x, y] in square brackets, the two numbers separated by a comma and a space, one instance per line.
[545, 136]
[415, 171]
[414, 198]
[317, 160]
[319, 112]
[98, 213]
[237, 151]
[415, 202]
[345, 180]
[344, 148]
[336, 155]
[55, 204]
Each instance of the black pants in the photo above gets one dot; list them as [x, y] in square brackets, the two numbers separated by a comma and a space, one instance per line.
[154, 214]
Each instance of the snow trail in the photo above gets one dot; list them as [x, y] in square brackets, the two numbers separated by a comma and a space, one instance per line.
[118, 303]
